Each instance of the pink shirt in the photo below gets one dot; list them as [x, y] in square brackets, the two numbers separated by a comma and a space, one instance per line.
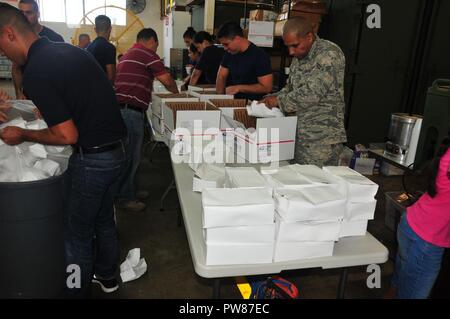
[430, 217]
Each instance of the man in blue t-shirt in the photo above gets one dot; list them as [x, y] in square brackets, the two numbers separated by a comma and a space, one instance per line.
[245, 71]
[103, 51]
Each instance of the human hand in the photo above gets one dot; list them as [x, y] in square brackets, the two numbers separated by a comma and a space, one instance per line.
[270, 101]
[4, 96]
[12, 135]
[3, 117]
[37, 114]
[232, 90]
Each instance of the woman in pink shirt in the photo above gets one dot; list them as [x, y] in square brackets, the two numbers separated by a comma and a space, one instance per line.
[424, 233]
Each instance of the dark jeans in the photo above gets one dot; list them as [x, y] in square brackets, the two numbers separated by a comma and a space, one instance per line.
[135, 122]
[89, 213]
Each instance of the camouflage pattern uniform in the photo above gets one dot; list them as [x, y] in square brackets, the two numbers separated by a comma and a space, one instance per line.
[315, 92]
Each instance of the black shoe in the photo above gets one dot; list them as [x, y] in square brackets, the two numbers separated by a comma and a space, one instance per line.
[107, 286]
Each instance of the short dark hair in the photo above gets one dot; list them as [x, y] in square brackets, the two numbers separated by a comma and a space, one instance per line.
[102, 23]
[32, 2]
[83, 35]
[230, 30]
[147, 34]
[202, 36]
[189, 33]
[12, 16]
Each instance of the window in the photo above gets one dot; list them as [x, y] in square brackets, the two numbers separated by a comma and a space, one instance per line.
[73, 12]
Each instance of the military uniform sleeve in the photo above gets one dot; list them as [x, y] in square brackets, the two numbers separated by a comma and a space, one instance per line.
[310, 88]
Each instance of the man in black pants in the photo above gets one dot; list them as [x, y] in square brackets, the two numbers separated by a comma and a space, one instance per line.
[79, 105]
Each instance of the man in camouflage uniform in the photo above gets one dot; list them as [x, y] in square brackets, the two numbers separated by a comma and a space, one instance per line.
[315, 92]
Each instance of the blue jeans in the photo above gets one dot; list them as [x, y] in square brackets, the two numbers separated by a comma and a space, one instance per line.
[89, 213]
[417, 264]
[135, 126]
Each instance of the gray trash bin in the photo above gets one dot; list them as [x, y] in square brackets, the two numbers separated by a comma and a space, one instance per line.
[32, 261]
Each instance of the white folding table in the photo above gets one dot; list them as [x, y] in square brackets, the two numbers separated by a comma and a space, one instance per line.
[348, 252]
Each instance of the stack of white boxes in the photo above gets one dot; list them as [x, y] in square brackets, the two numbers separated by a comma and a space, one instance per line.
[361, 201]
[310, 206]
[313, 207]
[238, 226]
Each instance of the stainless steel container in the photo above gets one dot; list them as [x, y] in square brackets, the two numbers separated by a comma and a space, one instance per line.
[400, 133]
[401, 128]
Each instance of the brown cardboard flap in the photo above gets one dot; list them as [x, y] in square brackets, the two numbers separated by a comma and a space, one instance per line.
[229, 103]
[242, 116]
[174, 95]
[189, 106]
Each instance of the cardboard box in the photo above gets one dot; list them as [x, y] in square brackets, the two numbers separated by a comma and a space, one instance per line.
[228, 107]
[224, 207]
[185, 115]
[319, 203]
[158, 102]
[268, 140]
[353, 228]
[262, 15]
[240, 234]
[261, 33]
[306, 231]
[211, 95]
[202, 88]
[287, 251]
[238, 254]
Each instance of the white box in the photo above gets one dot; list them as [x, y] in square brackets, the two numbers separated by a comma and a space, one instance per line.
[247, 177]
[160, 99]
[208, 176]
[314, 173]
[238, 254]
[240, 234]
[288, 251]
[353, 228]
[284, 177]
[223, 207]
[272, 141]
[195, 123]
[261, 33]
[310, 204]
[307, 231]
[206, 96]
[359, 187]
[361, 211]
[198, 184]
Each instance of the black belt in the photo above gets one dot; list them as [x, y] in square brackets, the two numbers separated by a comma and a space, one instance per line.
[131, 107]
[98, 149]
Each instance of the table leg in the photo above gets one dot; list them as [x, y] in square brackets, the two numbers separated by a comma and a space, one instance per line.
[342, 283]
[179, 220]
[166, 192]
[216, 289]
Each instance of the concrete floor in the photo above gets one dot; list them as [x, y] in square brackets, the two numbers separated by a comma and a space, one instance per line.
[165, 247]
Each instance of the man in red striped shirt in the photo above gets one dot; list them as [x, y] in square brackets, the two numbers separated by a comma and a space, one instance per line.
[136, 70]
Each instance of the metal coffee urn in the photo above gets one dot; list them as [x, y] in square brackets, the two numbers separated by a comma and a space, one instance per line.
[399, 137]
